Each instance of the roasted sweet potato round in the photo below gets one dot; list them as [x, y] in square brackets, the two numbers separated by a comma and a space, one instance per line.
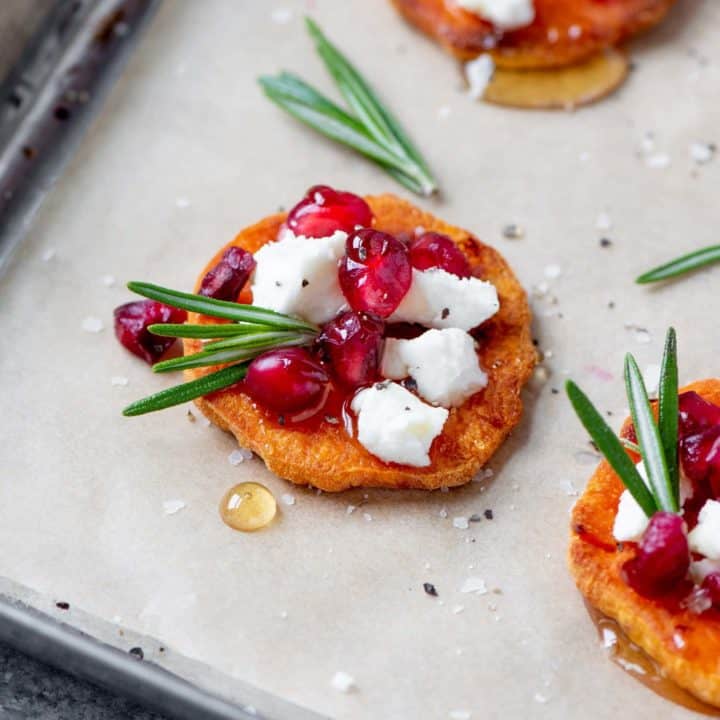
[595, 562]
[563, 32]
[328, 458]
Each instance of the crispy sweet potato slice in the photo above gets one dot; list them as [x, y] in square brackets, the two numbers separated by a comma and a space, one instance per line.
[331, 460]
[563, 32]
[595, 563]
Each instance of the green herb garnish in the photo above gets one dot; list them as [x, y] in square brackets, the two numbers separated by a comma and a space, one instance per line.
[369, 128]
[252, 331]
[680, 266]
[657, 441]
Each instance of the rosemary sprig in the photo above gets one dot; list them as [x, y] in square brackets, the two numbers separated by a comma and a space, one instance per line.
[187, 391]
[680, 266]
[252, 331]
[657, 441]
[372, 130]
[611, 447]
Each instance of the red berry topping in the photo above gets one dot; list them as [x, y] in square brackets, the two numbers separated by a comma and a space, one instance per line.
[433, 250]
[228, 277]
[286, 381]
[700, 457]
[375, 273]
[696, 414]
[131, 323]
[353, 344]
[711, 583]
[662, 559]
[323, 211]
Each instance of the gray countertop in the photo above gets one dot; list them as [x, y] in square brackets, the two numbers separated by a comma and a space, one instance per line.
[30, 690]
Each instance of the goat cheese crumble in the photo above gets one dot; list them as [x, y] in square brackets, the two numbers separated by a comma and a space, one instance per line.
[443, 363]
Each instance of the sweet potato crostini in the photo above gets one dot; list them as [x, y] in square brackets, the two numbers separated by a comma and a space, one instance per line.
[302, 411]
[659, 577]
[548, 33]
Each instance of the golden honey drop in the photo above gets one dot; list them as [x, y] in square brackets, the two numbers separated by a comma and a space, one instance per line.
[248, 506]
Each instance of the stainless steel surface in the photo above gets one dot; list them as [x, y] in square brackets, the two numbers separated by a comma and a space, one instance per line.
[49, 98]
[76, 653]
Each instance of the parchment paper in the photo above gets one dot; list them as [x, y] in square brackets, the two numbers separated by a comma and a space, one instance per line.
[187, 152]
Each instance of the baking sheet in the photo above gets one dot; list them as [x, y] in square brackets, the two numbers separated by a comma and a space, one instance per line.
[188, 151]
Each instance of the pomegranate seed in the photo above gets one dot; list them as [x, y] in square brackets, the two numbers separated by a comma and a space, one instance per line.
[353, 344]
[700, 457]
[286, 381]
[711, 583]
[662, 559]
[375, 273]
[696, 414]
[433, 250]
[131, 323]
[228, 277]
[323, 211]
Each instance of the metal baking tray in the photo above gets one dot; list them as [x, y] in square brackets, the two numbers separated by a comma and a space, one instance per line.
[53, 86]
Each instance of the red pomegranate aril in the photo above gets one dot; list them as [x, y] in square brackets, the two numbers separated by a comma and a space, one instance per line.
[700, 458]
[131, 327]
[323, 211]
[375, 273]
[662, 559]
[228, 277]
[286, 381]
[353, 345]
[433, 250]
[696, 414]
[711, 583]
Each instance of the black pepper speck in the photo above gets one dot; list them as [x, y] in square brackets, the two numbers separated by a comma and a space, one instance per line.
[62, 605]
[429, 588]
[137, 652]
[488, 514]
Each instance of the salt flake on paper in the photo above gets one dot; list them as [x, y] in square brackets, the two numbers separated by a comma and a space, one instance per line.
[609, 638]
[239, 456]
[459, 715]
[474, 585]
[93, 324]
[287, 499]
[460, 522]
[118, 381]
[342, 682]
[702, 153]
[281, 16]
[172, 506]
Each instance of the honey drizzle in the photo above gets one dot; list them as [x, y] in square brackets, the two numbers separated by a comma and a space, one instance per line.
[637, 663]
[247, 507]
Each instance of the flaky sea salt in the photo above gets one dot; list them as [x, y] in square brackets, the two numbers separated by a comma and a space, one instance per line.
[702, 153]
[342, 682]
[459, 715]
[658, 161]
[678, 640]
[287, 499]
[367, 517]
[460, 522]
[443, 513]
[172, 506]
[182, 202]
[457, 609]
[540, 698]
[92, 324]
[108, 280]
[48, 255]
[552, 272]
[281, 16]
[444, 112]
[239, 456]
[350, 509]
[474, 585]
[118, 381]
[603, 221]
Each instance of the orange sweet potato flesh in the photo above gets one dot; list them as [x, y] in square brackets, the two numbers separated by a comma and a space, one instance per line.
[329, 458]
[595, 563]
[603, 23]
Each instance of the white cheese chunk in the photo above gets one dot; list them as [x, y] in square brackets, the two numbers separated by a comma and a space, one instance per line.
[395, 425]
[700, 569]
[705, 536]
[479, 73]
[438, 299]
[631, 520]
[503, 14]
[299, 276]
[443, 363]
